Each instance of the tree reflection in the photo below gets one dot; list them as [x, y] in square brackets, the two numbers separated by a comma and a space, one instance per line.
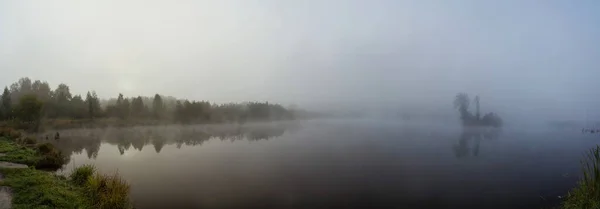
[76, 141]
[158, 141]
[470, 139]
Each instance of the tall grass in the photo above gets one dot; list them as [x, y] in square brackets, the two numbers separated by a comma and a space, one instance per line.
[102, 191]
[108, 191]
[587, 193]
[81, 174]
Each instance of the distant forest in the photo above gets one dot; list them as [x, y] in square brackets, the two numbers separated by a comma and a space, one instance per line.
[30, 101]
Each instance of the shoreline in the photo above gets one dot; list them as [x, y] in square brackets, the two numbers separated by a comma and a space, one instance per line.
[24, 183]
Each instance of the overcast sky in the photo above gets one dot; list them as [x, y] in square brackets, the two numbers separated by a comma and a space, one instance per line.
[541, 55]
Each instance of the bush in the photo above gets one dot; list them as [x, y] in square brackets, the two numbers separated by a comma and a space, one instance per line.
[587, 193]
[9, 133]
[29, 141]
[108, 191]
[50, 157]
[81, 174]
[45, 148]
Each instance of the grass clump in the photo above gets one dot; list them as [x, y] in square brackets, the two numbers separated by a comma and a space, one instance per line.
[81, 174]
[108, 191]
[587, 193]
[102, 191]
[39, 189]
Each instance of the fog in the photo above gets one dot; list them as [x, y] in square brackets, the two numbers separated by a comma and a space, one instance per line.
[532, 58]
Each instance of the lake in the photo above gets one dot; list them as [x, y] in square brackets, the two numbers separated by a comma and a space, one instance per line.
[335, 164]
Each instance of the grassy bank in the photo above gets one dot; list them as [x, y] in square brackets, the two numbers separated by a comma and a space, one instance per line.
[40, 189]
[586, 195]
[27, 151]
[33, 188]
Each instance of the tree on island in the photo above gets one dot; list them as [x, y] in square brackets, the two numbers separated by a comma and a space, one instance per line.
[462, 103]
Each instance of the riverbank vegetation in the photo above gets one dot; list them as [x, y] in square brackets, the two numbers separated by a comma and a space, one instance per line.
[26, 150]
[587, 193]
[462, 103]
[102, 190]
[29, 105]
[33, 188]
[41, 189]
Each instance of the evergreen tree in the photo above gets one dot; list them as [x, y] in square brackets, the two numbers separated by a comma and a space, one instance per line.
[137, 107]
[158, 106]
[93, 105]
[125, 109]
[6, 105]
[89, 101]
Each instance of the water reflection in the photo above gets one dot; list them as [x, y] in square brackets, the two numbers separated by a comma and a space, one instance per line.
[75, 141]
[470, 139]
[331, 164]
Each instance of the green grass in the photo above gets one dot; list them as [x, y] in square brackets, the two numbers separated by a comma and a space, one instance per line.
[32, 189]
[18, 154]
[108, 191]
[587, 193]
[103, 191]
[80, 175]
[40, 155]
[39, 189]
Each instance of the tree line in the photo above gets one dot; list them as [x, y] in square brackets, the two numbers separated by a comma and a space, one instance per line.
[30, 101]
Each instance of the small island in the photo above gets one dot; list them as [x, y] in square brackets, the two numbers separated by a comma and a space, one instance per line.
[462, 103]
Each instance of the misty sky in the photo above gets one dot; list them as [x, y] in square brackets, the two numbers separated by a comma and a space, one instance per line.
[517, 54]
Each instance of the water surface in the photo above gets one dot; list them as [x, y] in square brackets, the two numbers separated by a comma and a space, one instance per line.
[334, 164]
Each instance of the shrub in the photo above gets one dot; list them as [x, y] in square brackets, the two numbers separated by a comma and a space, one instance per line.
[9, 133]
[81, 174]
[14, 133]
[45, 148]
[29, 141]
[108, 191]
[50, 157]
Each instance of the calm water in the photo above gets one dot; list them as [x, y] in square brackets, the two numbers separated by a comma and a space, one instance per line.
[335, 164]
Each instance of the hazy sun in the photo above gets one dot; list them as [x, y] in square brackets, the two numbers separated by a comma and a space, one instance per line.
[125, 86]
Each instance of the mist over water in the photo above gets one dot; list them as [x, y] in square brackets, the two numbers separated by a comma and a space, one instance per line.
[363, 91]
[525, 59]
[334, 164]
